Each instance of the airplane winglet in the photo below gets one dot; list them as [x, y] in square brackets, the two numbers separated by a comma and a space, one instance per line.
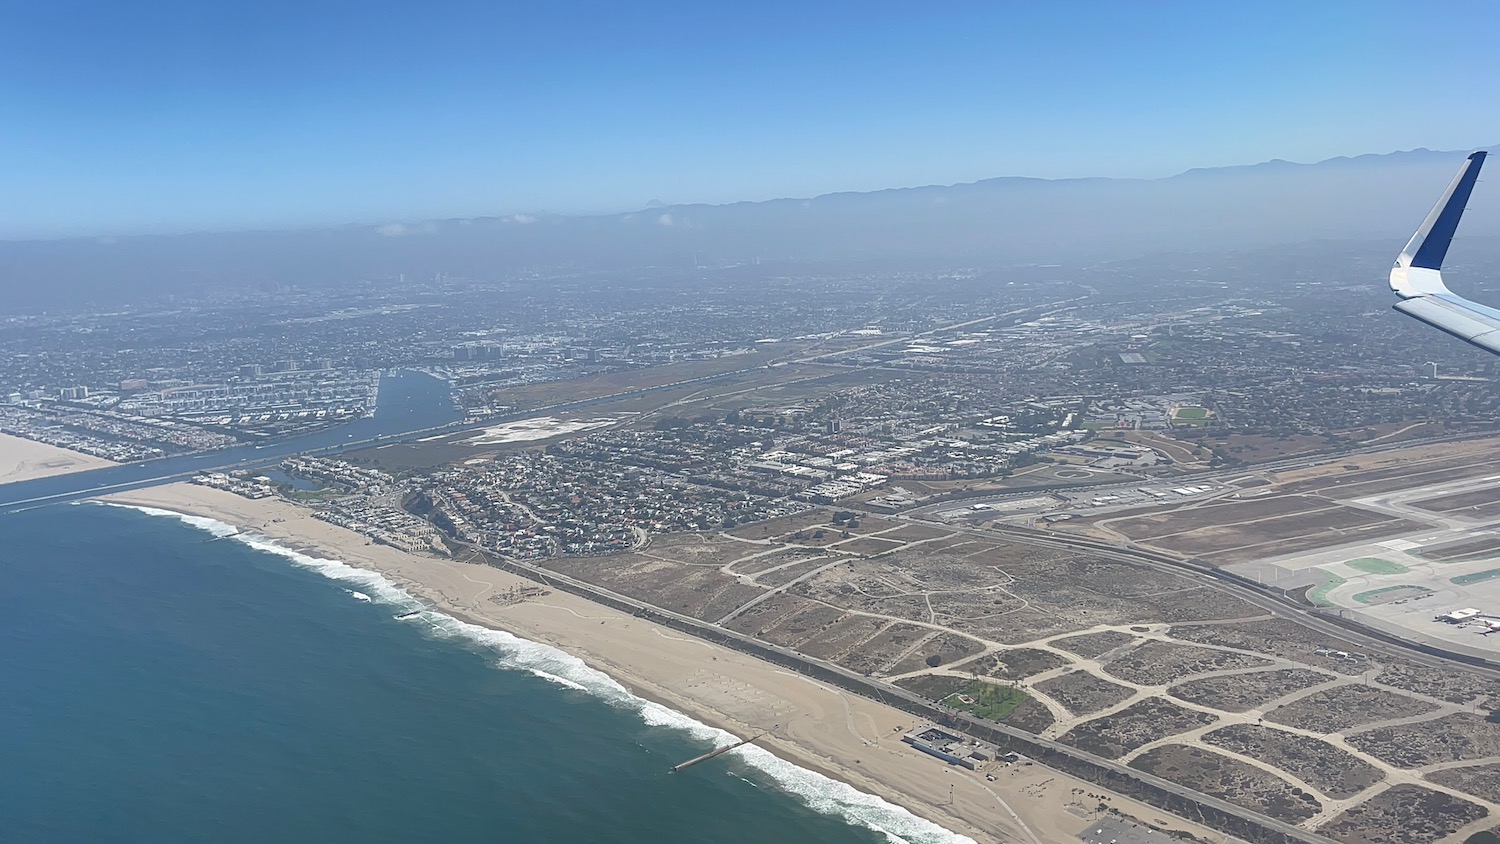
[1418, 270]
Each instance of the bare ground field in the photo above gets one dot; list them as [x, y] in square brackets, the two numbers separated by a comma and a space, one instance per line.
[1157, 663]
[875, 655]
[783, 576]
[916, 533]
[1082, 693]
[868, 546]
[699, 549]
[784, 525]
[1403, 814]
[1139, 724]
[1244, 692]
[771, 561]
[1451, 738]
[700, 591]
[843, 636]
[1237, 782]
[1341, 707]
[1332, 771]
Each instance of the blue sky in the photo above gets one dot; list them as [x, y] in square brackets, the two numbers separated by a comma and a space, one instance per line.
[156, 116]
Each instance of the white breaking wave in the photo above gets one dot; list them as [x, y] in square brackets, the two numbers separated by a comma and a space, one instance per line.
[821, 793]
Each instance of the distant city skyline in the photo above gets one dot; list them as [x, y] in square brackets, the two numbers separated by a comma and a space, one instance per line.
[171, 116]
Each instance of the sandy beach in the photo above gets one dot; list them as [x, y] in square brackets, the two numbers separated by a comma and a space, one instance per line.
[22, 460]
[821, 728]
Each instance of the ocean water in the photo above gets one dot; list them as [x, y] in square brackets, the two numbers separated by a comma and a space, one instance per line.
[163, 681]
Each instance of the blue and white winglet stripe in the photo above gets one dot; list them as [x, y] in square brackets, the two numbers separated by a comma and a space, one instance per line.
[1418, 275]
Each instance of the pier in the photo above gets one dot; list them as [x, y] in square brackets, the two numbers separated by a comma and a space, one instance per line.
[712, 753]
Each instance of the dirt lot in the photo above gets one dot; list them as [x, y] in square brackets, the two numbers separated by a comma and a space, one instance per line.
[1082, 693]
[1094, 645]
[1141, 723]
[1341, 707]
[1332, 771]
[783, 525]
[1244, 692]
[1482, 781]
[1403, 814]
[1237, 782]
[1452, 738]
[700, 591]
[915, 533]
[1161, 663]
[868, 546]
[843, 636]
[771, 561]
[702, 549]
[875, 655]
[783, 576]
[1016, 664]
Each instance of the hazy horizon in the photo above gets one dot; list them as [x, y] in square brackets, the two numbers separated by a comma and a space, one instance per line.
[176, 117]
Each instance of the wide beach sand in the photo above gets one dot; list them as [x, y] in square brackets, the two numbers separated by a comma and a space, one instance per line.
[23, 459]
[822, 728]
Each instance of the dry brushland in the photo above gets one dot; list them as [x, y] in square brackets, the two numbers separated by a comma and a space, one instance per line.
[1244, 692]
[1082, 693]
[1160, 663]
[1452, 738]
[1240, 783]
[1317, 763]
[1341, 707]
[1137, 725]
[1482, 781]
[1403, 814]
[1121, 660]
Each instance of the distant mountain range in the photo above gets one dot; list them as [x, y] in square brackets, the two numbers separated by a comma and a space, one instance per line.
[1001, 221]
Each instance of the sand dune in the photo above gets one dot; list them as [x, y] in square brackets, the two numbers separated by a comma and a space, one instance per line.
[23, 460]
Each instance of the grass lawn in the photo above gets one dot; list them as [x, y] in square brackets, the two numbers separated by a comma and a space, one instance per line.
[1476, 577]
[986, 700]
[1319, 595]
[1375, 565]
[1374, 595]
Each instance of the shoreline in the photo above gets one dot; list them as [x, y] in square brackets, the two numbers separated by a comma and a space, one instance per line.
[26, 460]
[846, 738]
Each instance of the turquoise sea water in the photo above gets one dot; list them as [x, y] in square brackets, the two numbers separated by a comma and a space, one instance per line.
[160, 685]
